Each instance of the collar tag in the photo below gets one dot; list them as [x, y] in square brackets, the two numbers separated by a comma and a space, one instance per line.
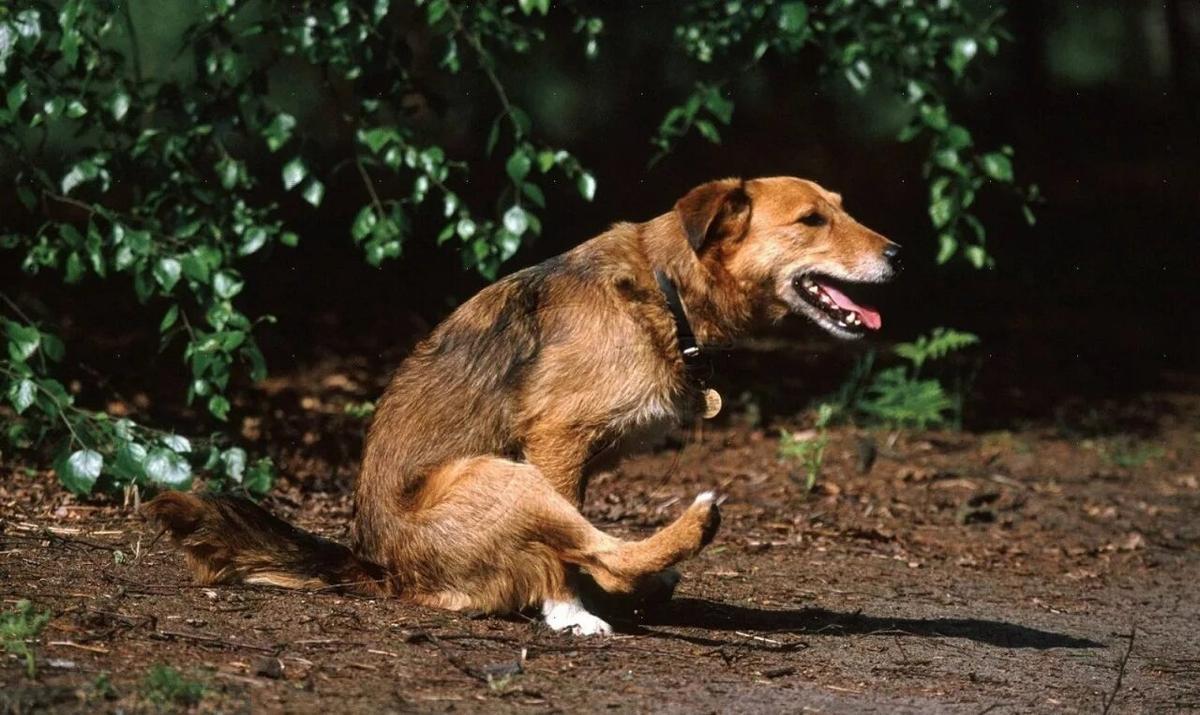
[712, 403]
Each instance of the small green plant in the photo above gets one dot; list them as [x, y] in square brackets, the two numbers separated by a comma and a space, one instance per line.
[1128, 451]
[165, 685]
[900, 395]
[102, 686]
[808, 451]
[360, 410]
[18, 628]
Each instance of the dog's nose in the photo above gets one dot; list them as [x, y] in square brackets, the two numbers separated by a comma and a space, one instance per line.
[891, 252]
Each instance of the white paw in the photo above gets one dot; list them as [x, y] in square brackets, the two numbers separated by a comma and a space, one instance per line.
[706, 498]
[571, 616]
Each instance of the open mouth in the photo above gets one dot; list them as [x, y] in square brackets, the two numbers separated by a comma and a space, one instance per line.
[828, 297]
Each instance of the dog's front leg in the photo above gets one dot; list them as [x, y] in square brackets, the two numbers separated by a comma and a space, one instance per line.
[560, 456]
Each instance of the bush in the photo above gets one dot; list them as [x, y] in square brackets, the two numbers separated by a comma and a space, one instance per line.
[171, 177]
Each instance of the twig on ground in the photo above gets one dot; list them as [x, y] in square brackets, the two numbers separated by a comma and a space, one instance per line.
[1112, 697]
[215, 640]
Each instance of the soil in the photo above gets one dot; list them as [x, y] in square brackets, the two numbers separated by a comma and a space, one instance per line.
[1050, 568]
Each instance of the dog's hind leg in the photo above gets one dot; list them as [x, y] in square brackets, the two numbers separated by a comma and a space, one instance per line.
[494, 535]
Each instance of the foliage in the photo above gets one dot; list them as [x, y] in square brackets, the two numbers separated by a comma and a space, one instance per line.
[18, 628]
[1127, 451]
[898, 395]
[174, 176]
[808, 451]
[165, 685]
[916, 50]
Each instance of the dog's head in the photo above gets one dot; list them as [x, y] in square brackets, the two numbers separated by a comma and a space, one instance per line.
[790, 248]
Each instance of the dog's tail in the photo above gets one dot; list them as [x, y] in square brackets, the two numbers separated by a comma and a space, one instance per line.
[232, 540]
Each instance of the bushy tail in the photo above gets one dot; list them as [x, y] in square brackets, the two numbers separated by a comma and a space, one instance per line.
[232, 540]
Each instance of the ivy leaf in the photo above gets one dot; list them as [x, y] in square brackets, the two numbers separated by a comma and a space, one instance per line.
[218, 405]
[167, 272]
[947, 245]
[998, 166]
[518, 166]
[313, 192]
[279, 131]
[364, 222]
[294, 172]
[227, 284]
[80, 471]
[178, 442]
[515, 220]
[793, 17]
[233, 460]
[22, 394]
[23, 340]
[260, 476]
[586, 183]
[169, 319]
[168, 468]
[961, 54]
[118, 104]
[253, 240]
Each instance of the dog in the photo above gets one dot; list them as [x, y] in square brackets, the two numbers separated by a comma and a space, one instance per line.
[476, 463]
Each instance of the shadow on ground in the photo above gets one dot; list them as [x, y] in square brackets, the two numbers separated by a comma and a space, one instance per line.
[711, 615]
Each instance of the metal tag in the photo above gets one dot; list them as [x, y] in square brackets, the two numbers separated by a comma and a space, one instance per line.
[712, 404]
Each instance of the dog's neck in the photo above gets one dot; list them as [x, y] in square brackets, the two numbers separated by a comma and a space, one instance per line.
[716, 309]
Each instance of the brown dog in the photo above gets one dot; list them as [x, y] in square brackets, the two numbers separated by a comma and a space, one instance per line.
[476, 463]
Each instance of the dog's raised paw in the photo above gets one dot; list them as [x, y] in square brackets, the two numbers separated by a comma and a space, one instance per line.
[573, 617]
[711, 519]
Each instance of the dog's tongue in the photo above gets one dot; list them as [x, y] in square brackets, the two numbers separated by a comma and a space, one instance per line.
[868, 315]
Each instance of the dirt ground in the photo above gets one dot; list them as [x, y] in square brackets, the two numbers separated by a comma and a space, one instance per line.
[1053, 568]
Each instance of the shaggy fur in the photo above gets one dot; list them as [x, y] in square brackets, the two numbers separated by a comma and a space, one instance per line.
[476, 463]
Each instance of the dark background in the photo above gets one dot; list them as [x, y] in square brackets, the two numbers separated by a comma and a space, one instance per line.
[1099, 99]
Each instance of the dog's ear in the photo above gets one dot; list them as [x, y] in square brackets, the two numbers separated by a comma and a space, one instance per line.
[715, 211]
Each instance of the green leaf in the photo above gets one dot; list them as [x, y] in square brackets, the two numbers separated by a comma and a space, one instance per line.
[254, 239]
[118, 104]
[260, 476]
[364, 222]
[1027, 212]
[998, 166]
[226, 284]
[17, 94]
[22, 393]
[233, 462]
[294, 172]
[947, 245]
[976, 255]
[279, 131]
[378, 138]
[177, 442]
[23, 340]
[218, 405]
[52, 347]
[793, 17]
[515, 220]
[169, 319]
[168, 468]
[961, 53]
[586, 183]
[534, 192]
[941, 211]
[79, 472]
[313, 192]
[518, 166]
[167, 272]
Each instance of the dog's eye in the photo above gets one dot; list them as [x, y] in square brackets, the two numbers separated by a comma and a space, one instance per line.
[812, 219]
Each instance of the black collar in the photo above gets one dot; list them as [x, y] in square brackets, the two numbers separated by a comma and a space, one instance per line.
[689, 348]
